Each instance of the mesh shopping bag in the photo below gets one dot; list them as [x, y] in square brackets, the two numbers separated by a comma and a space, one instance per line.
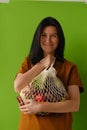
[45, 87]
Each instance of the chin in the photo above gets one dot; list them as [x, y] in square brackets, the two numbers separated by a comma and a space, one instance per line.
[48, 53]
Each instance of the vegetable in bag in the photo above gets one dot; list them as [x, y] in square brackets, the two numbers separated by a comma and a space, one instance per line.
[45, 87]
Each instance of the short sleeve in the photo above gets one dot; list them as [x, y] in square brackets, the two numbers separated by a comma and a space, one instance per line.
[24, 67]
[74, 78]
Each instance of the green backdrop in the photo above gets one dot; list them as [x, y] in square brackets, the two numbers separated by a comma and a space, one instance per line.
[18, 21]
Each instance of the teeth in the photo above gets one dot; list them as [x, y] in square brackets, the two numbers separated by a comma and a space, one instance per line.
[47, 45]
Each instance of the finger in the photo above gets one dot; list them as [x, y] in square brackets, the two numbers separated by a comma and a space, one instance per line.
[24, 109]
[28, 101]
[28, 112]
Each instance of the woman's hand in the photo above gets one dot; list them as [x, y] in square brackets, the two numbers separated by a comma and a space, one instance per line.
[31, 107]
[47, 61]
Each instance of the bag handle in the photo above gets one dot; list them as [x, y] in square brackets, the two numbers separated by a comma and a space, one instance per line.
[51, 65]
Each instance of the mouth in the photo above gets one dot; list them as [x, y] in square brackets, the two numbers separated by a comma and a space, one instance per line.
[47, 44]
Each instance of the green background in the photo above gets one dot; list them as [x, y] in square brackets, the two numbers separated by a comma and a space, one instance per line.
[18, 21]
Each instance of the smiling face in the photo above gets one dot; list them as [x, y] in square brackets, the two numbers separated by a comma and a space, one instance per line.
[49, 40]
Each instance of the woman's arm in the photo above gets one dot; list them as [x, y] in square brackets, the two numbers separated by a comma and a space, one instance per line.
[69, 105]
[23, 79]
[66, 106]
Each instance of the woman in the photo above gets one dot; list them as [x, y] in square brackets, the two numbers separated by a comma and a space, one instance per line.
[48, 43]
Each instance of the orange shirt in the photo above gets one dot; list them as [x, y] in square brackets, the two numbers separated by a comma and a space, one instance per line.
[68, 73]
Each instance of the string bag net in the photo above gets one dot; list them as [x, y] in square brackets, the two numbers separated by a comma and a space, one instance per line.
[45, 87]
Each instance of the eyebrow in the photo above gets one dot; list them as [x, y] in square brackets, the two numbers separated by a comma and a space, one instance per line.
[51, 33]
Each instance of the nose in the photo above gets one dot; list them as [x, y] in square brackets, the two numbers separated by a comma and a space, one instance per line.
[48, 39]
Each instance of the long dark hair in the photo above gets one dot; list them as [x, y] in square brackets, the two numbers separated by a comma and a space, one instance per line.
[36, 52]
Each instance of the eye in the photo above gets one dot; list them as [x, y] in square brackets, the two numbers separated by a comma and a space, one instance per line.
[43, 35]
[54, 35]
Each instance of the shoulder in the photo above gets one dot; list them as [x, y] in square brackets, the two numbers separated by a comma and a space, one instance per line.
[66, 68]
[25, 66]
[68, 63]
[25, 62]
